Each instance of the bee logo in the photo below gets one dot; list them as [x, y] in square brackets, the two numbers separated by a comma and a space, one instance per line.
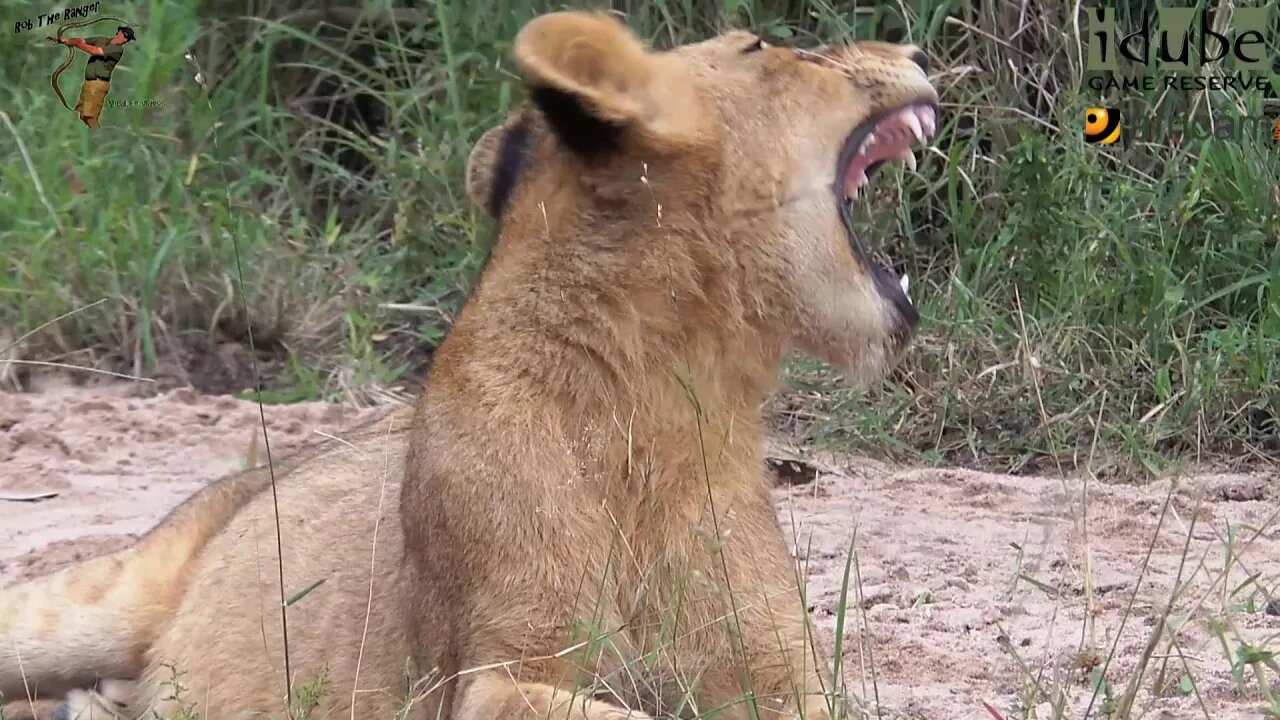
[1101, 125]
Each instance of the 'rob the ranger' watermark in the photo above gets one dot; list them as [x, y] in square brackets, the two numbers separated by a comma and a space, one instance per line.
[1179, 42]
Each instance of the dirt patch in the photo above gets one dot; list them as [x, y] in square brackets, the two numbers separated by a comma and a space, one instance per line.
[976, 586]
[966, 587]
[119, 462]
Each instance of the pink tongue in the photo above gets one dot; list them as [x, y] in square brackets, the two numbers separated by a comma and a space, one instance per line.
[887, 143]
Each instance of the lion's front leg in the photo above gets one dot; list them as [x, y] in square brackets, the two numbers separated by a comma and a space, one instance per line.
[495, 696]
[784, 669]
[777, 662]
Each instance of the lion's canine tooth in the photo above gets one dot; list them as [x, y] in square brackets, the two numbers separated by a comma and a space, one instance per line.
[911, 121]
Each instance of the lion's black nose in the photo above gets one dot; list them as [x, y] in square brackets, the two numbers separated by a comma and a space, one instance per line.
[920, 58]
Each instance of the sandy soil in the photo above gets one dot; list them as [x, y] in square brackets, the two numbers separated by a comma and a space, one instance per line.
[968, 588]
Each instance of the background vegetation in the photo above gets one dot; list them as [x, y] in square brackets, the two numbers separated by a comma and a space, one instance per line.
[1117, 307]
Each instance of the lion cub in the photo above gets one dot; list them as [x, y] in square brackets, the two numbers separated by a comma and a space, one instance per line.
[585, 500]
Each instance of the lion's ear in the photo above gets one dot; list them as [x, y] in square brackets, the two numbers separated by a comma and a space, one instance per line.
[591, 78]
[496, 162]
[482, 165]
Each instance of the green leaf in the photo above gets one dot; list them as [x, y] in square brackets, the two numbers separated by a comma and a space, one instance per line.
[303, 592]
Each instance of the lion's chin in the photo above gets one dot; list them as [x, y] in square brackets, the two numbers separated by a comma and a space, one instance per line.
[867, 356]
[868, 369]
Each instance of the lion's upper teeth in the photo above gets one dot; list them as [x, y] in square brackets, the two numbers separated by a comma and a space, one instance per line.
[913, 123]
[890, 139]
[904, 282]
[927, 120]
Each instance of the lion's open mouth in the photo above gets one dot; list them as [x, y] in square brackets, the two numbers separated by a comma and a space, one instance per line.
[890, 135]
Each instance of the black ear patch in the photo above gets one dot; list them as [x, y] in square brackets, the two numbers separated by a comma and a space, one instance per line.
[512, 155]
[579, 130]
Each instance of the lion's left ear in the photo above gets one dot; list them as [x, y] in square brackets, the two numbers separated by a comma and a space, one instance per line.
[480, 166]
[497, 161]
[593, 80]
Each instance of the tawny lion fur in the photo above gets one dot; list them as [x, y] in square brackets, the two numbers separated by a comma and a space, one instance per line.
[578, 502]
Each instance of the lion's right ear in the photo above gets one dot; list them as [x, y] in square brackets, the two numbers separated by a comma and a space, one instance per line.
[593, 80]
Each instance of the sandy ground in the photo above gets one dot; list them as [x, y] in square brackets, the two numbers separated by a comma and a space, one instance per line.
[968, 588]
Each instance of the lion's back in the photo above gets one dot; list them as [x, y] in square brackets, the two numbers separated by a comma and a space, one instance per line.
[341, 540]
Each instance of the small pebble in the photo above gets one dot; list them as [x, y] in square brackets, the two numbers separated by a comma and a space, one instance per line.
[873, 595]
[919, 596]
[872, 574]
[883, 611]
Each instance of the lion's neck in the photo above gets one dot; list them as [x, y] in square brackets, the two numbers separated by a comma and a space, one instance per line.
[649, 369]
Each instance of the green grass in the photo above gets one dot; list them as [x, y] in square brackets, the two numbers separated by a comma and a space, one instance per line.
[1073, 297]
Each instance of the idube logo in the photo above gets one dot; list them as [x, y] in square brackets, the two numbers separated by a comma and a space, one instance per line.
[1180, 41]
